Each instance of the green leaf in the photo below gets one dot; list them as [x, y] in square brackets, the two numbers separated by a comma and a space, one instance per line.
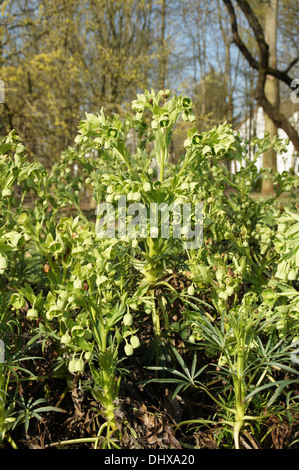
[284, 384]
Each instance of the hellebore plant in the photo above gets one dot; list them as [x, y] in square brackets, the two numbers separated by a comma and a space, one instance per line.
[90, 286]
[84, 308]
[148, 177]
[13, 409]
[247, 364]
[137, 185]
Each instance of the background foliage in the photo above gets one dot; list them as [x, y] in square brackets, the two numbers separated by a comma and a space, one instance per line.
[59, 59]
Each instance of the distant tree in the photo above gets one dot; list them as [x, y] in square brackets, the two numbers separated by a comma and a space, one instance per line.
[263, 66]
[61, 58]
[216, 107]
[271, 88]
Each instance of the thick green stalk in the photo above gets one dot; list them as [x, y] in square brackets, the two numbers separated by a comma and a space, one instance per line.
[100, 335]
[162, 167]
[240, 411]
[11, 441]
[154, 269]
[162, 302]
[108, 392]
[156, 327]
[239, 395]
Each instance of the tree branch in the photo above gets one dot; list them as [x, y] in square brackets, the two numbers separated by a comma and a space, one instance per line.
[236, 37]
[291, 64]
[253, 21]
[262, 66]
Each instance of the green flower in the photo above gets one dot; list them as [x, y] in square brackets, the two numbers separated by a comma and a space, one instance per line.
[134, 340]
[128, 349]
[6, 192]
[3, 264]
[196, 139]
[113, 133]
[164, 121]
[65, 339]
[76, 365]
[32, 314]
[147, 187]
[128, 319]
[191, 290]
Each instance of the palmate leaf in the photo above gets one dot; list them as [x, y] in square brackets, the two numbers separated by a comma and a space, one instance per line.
[181, 384]
[166, 369]
[276, 394]
[116, 313]
[193, 305]
[180, 387]
[193, 367]
[281, 384]
[29, 411]
[182, 363]
[184, 380]
[48, 408]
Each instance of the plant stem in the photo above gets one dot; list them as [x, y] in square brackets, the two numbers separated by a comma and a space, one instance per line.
[11, 441]
[240, 395]
[157, 329]
[162, 169]
[164, 313]
[237, 428]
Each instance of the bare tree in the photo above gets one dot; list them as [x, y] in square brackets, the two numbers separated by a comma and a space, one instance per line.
[271, 89]
[263, 66]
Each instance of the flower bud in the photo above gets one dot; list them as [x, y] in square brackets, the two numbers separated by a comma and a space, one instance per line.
[128, 319]
[76, 366]
[6, 192]
[135, 243]
[134, 340]
[3, 264]
[192, 338]
[230, 291]
[128, 349]
[110, 198]
[88, 355]
[191, 290]
[32, 314]
[147, 187]
[292, 275]
[78, 284]
[137, 196]
[23, 218]
[65, 339]
[166, 94]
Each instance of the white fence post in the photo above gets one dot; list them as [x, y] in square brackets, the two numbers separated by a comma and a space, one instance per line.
[2, 352]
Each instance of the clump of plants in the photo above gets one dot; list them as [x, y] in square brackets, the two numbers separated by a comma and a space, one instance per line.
[179, 276]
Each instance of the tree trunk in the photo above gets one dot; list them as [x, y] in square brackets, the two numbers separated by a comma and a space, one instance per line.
[163, 59]
[262, 66]
[271, 90]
